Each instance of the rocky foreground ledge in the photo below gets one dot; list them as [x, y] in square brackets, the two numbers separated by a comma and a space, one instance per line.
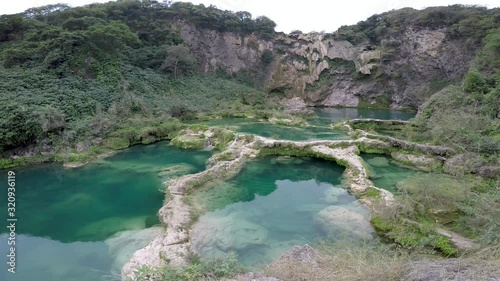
[173, 244]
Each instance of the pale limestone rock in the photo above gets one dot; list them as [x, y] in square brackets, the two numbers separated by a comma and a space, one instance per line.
[337, 219]
[423, 162]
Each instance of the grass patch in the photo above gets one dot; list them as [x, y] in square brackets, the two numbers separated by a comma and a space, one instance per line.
[196, 270]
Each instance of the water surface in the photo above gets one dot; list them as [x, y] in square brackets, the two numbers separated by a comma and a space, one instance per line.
[320, 130]
[328, 115]
[385, 172]
[273, 204]
[80, 224]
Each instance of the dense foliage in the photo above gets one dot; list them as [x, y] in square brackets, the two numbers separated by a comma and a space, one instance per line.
[469, 22]
[63, 69]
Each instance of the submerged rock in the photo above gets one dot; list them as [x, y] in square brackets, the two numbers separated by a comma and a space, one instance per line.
[336, 219]
[123, 244]
[378, 162]
[175, 171]
[332, 194]
[110, 226]
[286, 160]
[213, 236]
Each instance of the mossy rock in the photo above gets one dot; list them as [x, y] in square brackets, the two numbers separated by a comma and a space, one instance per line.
[116, 143]
[189, 141]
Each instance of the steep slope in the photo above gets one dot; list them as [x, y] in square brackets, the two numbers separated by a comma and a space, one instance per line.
[397, 59]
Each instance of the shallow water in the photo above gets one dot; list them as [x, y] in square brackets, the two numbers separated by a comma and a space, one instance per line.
[385, 172]
[328, 115]
[321, 124]
[265, 129]
[70, 221]
[273, 204]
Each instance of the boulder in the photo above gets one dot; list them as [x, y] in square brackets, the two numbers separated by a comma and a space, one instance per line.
[489, 171]
[296, 106]
[462, 163]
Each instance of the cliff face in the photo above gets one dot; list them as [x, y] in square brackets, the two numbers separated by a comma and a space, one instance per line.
[402, 71]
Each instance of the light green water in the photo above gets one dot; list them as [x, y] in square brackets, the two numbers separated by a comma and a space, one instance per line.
[321, 124]
[273, 204]
[328, 115]
[81, 224]
[266, 129]
[385, 172]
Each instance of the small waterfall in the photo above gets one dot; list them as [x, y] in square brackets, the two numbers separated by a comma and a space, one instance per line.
[234, 141]
[208, 143]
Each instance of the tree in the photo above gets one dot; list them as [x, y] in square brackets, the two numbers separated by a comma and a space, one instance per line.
[265, 26]
[113, 36]
[45, 10]
[179, 58]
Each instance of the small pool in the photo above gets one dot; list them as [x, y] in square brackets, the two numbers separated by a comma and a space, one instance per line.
[385, 172]
[273, 204]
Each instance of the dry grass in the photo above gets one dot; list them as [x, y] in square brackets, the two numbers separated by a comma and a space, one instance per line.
[344, 261]
[347, 260]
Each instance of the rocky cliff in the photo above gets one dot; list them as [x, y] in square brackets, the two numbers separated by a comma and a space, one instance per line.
[401, 70]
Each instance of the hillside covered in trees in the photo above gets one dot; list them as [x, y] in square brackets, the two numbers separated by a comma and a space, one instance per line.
[122, 72]
[76, 73]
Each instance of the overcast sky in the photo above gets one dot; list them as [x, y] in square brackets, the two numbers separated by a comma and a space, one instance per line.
[307, 15]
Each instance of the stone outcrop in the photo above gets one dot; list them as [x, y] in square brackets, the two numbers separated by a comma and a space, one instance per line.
[463, 163]
[296, 106]
[325, 71]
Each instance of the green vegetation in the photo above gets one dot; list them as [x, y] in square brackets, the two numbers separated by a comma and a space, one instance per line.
[113, 74]
[426, 201]
[196, 270]
[471, 22]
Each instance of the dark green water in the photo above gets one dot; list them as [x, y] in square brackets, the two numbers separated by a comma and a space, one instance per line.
[67, 216]
[273, 204]
[385, 172]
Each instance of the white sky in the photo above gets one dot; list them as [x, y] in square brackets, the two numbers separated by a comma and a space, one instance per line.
[308, 15]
